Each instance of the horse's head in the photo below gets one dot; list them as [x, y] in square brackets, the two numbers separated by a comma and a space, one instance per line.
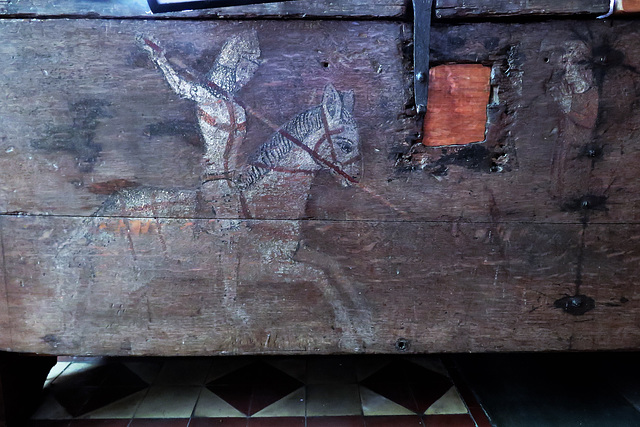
[339, 145]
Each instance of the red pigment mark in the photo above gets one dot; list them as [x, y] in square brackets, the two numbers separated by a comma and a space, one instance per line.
[152, 45]
[111, 186]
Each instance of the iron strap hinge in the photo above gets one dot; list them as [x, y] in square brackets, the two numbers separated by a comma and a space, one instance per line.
[422, 10]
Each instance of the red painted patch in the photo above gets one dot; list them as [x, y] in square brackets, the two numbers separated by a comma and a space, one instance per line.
[110, 187]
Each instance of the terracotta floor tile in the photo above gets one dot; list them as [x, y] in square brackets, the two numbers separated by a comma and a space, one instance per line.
[48, 423]
[475, 410]
[218, 422]
[393, 421]
[100, 423]
[154, 422]
[355, 421]
[459, 420]
[277, 422]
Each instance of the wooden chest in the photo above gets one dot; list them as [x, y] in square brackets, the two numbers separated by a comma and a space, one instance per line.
[233, 182]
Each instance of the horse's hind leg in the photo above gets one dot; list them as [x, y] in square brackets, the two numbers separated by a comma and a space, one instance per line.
[349, 306]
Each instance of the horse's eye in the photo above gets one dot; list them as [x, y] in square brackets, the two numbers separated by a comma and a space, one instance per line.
[345, 145]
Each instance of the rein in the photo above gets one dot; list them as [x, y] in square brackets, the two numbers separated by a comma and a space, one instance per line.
[313, 153]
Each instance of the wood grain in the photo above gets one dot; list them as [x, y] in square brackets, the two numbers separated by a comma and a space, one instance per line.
[471, 248]
[395, 9]
[503, 8]
[139, 8]
[551, 140]
[351, 287]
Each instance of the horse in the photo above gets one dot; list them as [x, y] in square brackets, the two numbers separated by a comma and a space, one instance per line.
[250, 212]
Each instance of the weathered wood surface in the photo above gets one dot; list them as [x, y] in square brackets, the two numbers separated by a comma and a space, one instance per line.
[527, 241]
[139, 8]
[100, 115]
[497, 8]
[351, 286]
[444, 9]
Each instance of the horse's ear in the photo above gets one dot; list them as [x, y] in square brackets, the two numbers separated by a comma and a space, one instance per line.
[348, 101]
[331, 102]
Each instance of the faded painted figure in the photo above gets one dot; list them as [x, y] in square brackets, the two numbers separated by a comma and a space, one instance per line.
[274, 181]
[222, 121]
[323, 137]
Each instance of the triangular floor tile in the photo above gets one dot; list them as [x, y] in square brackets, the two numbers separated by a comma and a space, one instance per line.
[449, 404]
[432, 363]
[374, 404]
[292, 405]
[222, 366]
[211, 406]
[254, 387]
[57, 370]
[297, 368]
[123, 408]
[408, 384]
[147, 371]
[367, 367]
[51, 409]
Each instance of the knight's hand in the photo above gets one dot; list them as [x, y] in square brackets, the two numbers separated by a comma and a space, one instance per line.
[150, 45]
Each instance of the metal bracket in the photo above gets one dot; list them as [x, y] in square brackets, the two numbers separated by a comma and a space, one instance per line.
[421, 36]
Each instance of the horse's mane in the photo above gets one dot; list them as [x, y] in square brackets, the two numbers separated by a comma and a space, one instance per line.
[271, 153]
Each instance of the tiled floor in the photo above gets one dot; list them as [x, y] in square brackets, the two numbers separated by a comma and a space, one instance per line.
[555, 389]
[374, 391]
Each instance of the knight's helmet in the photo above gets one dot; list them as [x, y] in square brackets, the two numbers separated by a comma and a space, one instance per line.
[236, 63]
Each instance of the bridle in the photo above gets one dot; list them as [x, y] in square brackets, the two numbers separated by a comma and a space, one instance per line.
[327, 135]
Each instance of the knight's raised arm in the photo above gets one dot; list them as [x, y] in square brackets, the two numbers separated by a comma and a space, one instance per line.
[184, 88]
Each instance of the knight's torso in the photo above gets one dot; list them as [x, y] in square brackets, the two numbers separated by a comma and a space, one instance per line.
[221, 115]
[223, 126]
